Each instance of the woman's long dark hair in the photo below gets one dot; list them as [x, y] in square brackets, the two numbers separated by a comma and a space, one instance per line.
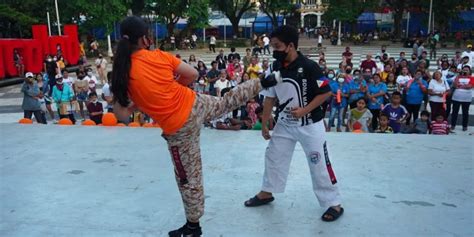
[132, 29]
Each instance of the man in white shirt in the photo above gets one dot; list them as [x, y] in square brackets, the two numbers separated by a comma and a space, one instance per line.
[266, 44]
[68, 79]
[469, 53]
[212, 44]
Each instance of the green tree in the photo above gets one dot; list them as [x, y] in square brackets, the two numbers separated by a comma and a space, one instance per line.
[445, 10]
[348, 10]
[16, 17]
[398, 7]
[234, 10]
[169, 12]
[273, 8]
[102, 13]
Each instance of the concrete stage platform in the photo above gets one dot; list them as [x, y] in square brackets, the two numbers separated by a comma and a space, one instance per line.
[98, 181]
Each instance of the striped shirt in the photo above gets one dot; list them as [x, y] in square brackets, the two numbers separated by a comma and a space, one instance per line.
[439, 128]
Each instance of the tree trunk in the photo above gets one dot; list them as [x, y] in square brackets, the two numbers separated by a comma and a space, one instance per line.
[274, 21]
[396, 23]
[235, 26]
[170, 28]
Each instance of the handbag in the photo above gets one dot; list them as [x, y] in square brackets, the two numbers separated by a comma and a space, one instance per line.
[64, 107]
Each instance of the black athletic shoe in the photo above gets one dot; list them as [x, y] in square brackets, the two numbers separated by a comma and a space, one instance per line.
[186, 231]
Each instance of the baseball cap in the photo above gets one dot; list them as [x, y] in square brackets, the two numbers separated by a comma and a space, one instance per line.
[29, 74]
[58, 76]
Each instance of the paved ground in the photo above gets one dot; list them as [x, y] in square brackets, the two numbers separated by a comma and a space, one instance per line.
[99, 181]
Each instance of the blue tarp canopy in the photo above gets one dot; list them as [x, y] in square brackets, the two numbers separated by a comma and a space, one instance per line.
[263, 23]
[366, 22]
[466, 21]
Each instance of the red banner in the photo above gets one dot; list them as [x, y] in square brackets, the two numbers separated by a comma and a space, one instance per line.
[33, 51]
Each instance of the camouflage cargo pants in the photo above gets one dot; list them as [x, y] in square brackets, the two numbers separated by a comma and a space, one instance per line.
[184, 144]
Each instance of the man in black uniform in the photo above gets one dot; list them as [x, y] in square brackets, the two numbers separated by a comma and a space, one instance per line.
[301, 96]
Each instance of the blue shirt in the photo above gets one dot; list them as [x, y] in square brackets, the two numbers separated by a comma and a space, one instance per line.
[394, 114]
[353, 85]
[344, 90]
[415, 94]
[374, 89]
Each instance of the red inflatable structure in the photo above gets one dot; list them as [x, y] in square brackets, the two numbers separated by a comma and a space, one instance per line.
[34, 50]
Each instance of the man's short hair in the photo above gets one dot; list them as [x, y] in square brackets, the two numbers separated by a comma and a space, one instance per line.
[286, 34]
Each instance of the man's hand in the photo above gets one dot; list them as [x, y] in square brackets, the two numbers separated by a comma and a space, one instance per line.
[265, 132]
[298, 112]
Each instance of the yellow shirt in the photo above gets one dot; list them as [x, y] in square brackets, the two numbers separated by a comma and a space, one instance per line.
[384, 76]
[253, 71]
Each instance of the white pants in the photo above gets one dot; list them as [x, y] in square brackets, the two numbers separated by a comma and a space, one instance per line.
[280, 151]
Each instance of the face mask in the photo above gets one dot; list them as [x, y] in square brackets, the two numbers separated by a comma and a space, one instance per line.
[279, 55]
[366, 77]
[340, 80]
[100, 57]
[348, 71]
[94, 101]
[55, 59]
[330, 76]
[383, 50]
[49, 59]
[356, 77]
[89, 74]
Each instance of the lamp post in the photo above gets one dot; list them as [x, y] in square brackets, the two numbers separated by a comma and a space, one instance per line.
[429, 18]
[339, 35]
[57, 16]
[49, 23]
[408, 24]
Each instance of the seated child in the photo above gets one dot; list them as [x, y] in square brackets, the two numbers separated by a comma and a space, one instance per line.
[383, 125]
[439, 126]
[359, 118]
[258, 124]
[421, 125]
[95, 108]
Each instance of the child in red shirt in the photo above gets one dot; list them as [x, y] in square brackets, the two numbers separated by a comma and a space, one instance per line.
[439, 126]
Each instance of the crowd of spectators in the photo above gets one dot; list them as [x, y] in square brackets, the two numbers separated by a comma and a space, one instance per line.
[385, 94]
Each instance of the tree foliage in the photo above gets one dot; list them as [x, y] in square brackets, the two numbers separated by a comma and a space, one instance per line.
[170, 11]
[234, 10]
[443, 10]
[348, 10]
[273, 8]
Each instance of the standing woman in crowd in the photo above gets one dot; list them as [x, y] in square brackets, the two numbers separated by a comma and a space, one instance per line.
[375, 94]
[437, 90]
[392, 85]
[462, 97]
[143, 80]
[192, 61]
[63, 95]
[81, 88]
[202, 83]
[414, 91]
